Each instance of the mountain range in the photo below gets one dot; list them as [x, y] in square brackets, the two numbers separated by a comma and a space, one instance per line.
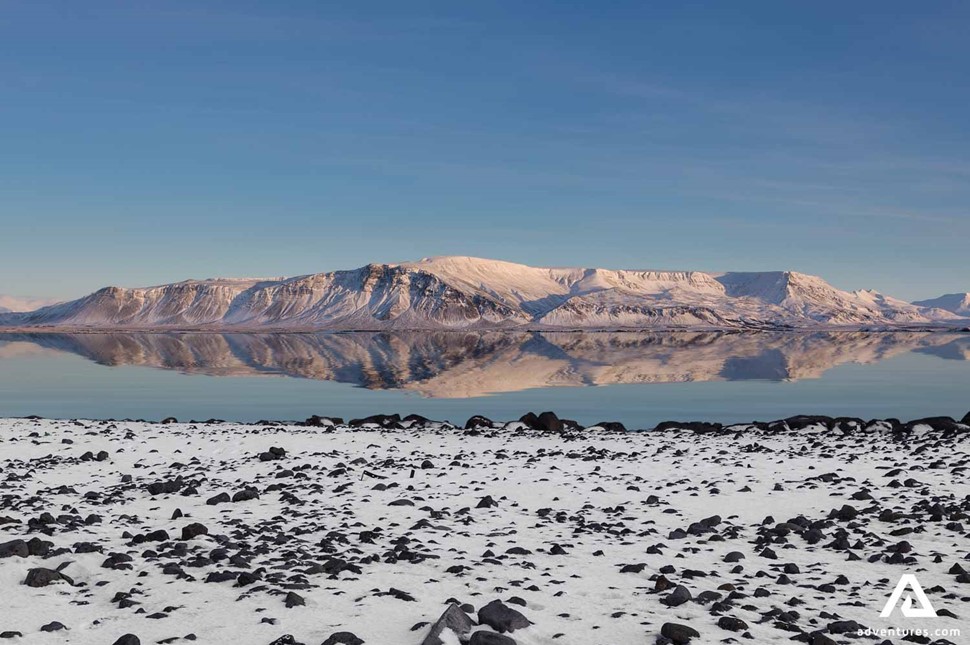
[471, 293]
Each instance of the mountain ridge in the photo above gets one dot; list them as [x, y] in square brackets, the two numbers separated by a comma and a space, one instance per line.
[957, 303]
[459, 292]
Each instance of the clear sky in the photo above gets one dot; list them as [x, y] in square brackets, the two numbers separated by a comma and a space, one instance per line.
[146, 142]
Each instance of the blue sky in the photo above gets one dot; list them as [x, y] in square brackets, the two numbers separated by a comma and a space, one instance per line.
[146, 142]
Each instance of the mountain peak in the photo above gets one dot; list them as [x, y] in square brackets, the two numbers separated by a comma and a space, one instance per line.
[956, 303]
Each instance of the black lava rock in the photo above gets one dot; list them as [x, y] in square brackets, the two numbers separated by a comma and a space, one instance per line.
[501, 617]
[128, 639]
[679, 634]
[343, 638]
[490, 638]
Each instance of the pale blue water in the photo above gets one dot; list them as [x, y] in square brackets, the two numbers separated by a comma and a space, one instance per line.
[639, 379]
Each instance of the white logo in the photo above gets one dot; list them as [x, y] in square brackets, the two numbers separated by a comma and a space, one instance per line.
[924, 610]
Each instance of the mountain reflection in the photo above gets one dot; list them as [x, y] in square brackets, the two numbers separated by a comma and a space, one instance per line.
[458, 365]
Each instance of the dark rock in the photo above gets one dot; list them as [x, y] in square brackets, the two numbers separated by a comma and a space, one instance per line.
[53, 627]
[550, 422]
[731, 624]
[285, 639]
[343, 638]
[610, 426]
[41, 577]
[490, 638]
[530, 420]
[819, 638]
[128, 639]
[501, 617]
[17, 548]
[316, 421]
[941, 424]
[162, 488]
[478, 421]
[844, 627]
[245, 495]
[679, 634]
[195, 529]
[693, 426]
[454, 620]
[677, 597]
[272, 454]
[221, 498]
[416, 420]
[389, 421]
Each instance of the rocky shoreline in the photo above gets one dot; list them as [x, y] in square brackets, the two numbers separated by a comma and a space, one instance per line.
[394, 529]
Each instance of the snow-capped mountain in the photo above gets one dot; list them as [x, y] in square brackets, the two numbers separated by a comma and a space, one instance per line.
[472, 293]
[956, 303]
[10, 304]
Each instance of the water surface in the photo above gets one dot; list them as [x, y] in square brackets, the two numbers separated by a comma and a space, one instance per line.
[637, 378]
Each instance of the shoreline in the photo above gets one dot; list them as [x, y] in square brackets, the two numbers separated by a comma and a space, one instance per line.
[550, 422]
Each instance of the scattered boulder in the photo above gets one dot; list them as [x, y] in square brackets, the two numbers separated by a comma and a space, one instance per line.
[679, 634]
[53, 626]
[478, 421]
[41, 577]
[501, 617]
[677, 597]
[454, 620]
[193, 530]
[128, 639]
[343, 638]
[16, 548]
[221, 498]
[490, 638]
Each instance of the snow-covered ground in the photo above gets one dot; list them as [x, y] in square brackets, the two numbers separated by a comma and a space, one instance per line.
[376, 530]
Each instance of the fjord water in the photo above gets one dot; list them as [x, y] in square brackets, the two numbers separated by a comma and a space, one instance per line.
[638, 378]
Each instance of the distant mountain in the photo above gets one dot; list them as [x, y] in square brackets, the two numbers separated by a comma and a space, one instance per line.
[956, 303]
[12, 303]
[472, 293]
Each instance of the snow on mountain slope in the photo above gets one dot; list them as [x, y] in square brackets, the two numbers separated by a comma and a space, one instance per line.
[473, 293]
[192, 302]
[538, 290]
[955, 303]
[798, 295]
[372, 297]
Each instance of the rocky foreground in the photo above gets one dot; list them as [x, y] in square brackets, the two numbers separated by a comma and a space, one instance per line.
[396, 531]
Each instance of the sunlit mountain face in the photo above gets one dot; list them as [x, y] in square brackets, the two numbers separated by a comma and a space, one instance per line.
[463, 293]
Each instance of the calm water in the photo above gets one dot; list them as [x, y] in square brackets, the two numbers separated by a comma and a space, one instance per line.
[637, 378]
